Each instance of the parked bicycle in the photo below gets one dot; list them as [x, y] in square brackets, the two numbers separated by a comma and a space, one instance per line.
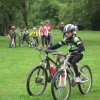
[40, 75]
[33, 42]
[12, 42]
[65, 78]
[20, 41]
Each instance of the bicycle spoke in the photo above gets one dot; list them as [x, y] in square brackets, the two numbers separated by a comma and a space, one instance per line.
[37, 81]
[60, 91]
[86, 76]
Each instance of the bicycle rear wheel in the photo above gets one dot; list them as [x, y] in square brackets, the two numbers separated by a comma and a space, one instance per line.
[20, 41]
[58, 89]
[31, 44]
[86, 76]
[37, 81]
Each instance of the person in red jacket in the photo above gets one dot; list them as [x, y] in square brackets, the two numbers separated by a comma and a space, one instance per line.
[43, 32]
[48, 25]
[49, 37]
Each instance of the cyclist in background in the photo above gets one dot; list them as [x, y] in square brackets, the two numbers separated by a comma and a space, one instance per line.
[20, 35]
[43, 32]
[25, 36]
[34, 35]
[48, 25]
[49, 37]
[62, 28]
[75, 47]
[13, 34]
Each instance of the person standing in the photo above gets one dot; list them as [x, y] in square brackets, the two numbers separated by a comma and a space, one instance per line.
[62, 28]
[13, 34]
[49, 37]
[43, 32]
[25, 36]
[20, 35]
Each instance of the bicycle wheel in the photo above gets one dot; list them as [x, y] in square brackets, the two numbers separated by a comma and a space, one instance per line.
[31, 44]
[37, 81]
[20, 41]
[10, 44]
[58, 89]
[35, 43]
[86, 76]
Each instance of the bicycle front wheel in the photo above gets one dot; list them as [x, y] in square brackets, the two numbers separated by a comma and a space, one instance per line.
[37, 81]
[60, 91]
[86, 76]
[32, 44]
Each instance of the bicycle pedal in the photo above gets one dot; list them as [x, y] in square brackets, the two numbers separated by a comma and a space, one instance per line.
[38, 80]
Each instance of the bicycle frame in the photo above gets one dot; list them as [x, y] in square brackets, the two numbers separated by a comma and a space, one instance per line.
[66, 69]
[47, 60]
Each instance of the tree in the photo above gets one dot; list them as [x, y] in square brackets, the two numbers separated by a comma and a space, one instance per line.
[49, 10]
[24, 7]
[7, 14]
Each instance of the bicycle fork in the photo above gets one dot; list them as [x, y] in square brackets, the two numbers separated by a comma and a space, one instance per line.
[62, 82]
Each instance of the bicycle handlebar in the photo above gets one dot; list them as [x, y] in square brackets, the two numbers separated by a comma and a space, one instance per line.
[45, 50]
[59, 54]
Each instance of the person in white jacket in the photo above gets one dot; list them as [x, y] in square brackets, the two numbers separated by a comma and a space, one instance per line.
[43, 32]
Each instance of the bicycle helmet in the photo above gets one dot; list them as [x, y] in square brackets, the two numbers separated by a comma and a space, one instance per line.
[69, 28]
[34, 28]
[13, 27]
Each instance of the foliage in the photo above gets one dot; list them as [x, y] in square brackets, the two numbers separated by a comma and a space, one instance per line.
[49, 10]
[31, 12]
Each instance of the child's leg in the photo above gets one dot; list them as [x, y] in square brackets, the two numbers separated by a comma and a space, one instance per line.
[42, 38]
[74, 60]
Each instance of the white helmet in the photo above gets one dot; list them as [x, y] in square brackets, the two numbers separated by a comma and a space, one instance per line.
[34, 28]
[69, 28]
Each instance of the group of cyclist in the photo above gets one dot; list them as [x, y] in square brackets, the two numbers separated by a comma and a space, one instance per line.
[70, 38]
[24, 35]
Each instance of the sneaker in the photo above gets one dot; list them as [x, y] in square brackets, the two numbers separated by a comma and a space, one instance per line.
[78, 80]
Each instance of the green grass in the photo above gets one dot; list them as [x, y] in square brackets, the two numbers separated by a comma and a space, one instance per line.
[15, 64]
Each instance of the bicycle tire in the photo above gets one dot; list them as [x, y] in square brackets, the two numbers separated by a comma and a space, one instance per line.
[20, 42]
[82, 86]
[11, 45]
[29, 89]
[54, 86]
[31, 44]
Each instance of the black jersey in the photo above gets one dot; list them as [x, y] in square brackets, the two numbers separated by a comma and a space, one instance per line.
[74, 43]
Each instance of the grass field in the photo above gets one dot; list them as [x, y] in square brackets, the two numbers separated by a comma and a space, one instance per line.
[15, 64]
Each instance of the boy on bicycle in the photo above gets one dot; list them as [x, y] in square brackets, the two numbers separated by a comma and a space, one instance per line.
[34, 35]
[75, 47]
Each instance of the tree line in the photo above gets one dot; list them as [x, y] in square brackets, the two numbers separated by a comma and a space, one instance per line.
[30, 12]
